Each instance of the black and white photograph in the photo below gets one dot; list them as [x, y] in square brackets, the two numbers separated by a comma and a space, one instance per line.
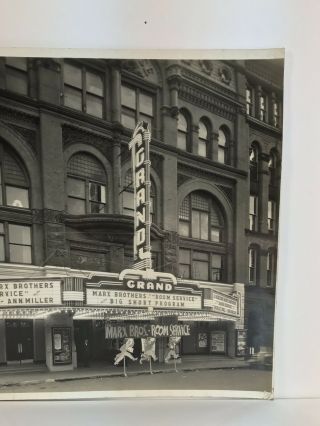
[139, 206]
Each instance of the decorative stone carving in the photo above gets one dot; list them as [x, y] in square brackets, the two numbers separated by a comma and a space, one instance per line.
[170, 248]
[225, 75]
[18, 117]
[143, 68]
[206, 66]
[227, 191]
[71, 135]
[182, 179]
[28, 135]
[52, 216]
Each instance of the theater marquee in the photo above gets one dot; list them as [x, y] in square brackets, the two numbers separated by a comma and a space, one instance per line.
[30, 293]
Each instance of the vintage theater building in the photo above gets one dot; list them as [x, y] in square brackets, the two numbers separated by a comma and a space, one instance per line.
[67, 206]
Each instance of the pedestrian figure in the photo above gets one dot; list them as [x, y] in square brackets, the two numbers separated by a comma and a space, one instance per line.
[125, 351]
[86, 353]
[171, 352]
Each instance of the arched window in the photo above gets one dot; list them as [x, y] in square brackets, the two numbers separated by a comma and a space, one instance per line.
[223, 147]
[254, 162]
[183, 131]
[200, 218]
[14, 184]
[203, 144]
[15, 238]
[128, 207]
[86, 185]
[253, 266]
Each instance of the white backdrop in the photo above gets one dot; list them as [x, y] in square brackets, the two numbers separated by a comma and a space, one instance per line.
[205, 24]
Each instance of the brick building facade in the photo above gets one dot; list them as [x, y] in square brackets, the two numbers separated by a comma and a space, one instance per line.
[66, 183]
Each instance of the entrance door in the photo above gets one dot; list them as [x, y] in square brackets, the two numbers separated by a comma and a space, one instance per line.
[82, 334]
[19, 339]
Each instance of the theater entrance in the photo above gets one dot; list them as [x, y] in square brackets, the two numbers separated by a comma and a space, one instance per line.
[19, 340]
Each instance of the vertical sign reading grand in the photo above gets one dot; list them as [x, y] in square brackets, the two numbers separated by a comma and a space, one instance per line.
[139, 146]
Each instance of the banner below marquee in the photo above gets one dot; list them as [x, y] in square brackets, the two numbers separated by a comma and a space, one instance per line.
[138, 331]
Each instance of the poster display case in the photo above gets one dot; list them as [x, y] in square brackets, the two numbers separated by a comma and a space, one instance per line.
[218, 342]
[62, 345]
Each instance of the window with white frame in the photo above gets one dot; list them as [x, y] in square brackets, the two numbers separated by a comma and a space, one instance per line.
[15, 243]
[273, 168]
[249, 105]
[252, 266]
[275, 113]
[222, 147]
[203, 143]
[272, 206]
[86, 185]
[254, 162]
[136, 105]
[270, 268]
[83, 89]
[263, 107]
[253, 213]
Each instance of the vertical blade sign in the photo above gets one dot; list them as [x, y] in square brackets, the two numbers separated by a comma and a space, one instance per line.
[139, 146]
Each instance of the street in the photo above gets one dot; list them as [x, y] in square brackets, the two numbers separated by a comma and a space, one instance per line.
[224, 379]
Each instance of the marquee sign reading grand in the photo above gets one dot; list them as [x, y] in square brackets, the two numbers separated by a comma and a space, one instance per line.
[139, 146]
[30, 293]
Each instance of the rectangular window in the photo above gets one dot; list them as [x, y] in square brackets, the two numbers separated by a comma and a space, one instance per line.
[252, 266]
[136, 105]
[275, 113]
[221, 154]
[263, 108]
[200, 266]
[216, 267]
[17, 197]
[128, 203]
[253, 209]
[19, 243]
[97, 198]
[83, 90]
[76, 196]
[184, 263]
[200, 225]
[202, 148]
[249, 101]
[271, 216]
[17, 75]
[270, 269]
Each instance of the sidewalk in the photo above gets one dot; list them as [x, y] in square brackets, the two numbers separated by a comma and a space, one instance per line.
[33, 374]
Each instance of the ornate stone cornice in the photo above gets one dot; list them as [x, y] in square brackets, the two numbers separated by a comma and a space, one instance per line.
[207, 101]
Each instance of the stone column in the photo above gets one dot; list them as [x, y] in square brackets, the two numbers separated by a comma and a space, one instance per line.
[263, 193]
[115, 94]
[169, 185]
[231, 344]
[49, 80]
[194, 139]
[241, 223]
[214, 146]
